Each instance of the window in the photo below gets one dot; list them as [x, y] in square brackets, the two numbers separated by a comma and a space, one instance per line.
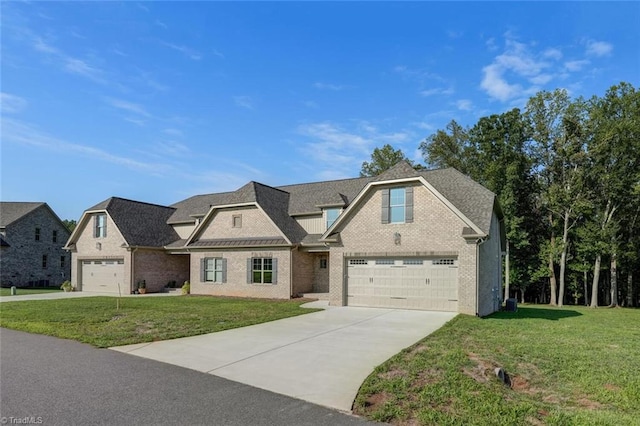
[358, 262]
[44, 261]
[262, 270]
[331, 215]
[100, 226]
[214, 270]
[62, 261]
[237, 221]
[443, 262]
[397, 205]
[385, 262]
[55, 236]
[412, 262]
[323, 263]
[37, 234]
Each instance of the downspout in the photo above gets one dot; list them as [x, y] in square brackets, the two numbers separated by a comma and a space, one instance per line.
[291, 271]
[133, 268]
[479, 242]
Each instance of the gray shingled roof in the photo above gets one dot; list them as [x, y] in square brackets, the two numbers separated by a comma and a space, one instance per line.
[11, 211]
[141, 224]
[472, 199]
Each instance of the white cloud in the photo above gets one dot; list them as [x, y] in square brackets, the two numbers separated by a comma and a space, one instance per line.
[599, 48]
[160, 24]
[128, 107]
[173, 132]
[243, 101]
[11, 104]
[67, 62]
[23, 133]
[517, 62]
[552, 53]
[464, 105]
[310, 104]
[437, 91]
[328, 86]
[454, 34]
[574, 66]
[336, 152]
[172, 148]
[217, 53]
[185, 50]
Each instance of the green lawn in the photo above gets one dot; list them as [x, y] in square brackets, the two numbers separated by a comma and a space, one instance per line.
[97, 321]
[571, 366]
[28, 290]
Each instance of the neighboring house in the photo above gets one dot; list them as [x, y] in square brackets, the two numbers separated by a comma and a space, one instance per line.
[32, 238]
[405, 239]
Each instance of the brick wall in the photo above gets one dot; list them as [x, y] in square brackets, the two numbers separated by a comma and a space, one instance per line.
[109, 247]
[435, 230]
[491, 271]
[321, 275]
[157, 268]
[254, 224]
[302, 272]
[21, 263]
[236, 284]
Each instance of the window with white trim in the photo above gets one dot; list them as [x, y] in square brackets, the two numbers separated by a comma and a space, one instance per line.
[396, 205]
[214, 270]
[331, 215]
[100, 226]
[263, 270]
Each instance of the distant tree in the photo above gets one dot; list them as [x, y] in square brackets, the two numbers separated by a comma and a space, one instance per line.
[383, 159]
[450, 148]
[70, 224]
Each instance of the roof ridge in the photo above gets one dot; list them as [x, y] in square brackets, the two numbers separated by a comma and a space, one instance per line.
[111, 199]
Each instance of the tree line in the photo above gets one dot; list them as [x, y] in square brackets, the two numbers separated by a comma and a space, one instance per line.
[567, 174]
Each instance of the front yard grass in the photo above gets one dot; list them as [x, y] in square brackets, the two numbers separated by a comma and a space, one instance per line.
[95, 320]
[571, 366]
[20, 291]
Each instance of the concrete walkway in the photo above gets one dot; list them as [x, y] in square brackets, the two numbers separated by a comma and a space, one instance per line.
[322, 357]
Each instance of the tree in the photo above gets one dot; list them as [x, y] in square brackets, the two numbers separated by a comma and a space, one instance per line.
[558, 132]
[383, 159]
[70, 224]
[450, 148]
[614, 151]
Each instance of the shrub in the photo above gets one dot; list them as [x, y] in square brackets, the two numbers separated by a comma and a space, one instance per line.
[186, 287]
[66, 286]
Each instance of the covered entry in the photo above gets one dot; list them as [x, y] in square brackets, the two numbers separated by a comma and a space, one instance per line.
[103, 276]
[403, 283]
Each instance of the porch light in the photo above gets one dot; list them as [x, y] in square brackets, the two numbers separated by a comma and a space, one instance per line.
[99, 246]
[397, 238]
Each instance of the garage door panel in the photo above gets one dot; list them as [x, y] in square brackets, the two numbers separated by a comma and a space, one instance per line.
[403, 283]
[103, 276]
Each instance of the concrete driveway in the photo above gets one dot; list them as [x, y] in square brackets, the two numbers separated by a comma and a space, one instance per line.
[322, 357]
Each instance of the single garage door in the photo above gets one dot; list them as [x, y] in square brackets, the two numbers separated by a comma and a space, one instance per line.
[414, 283]
[103, 276]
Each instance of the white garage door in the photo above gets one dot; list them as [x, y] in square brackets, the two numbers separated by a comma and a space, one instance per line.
[425, 283]
[103, 276]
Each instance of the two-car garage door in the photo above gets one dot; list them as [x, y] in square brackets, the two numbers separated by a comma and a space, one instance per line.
[412, 283]
[103, 276]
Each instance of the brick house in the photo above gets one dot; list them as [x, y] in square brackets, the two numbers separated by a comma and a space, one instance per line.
[32, 238]
[405, 239]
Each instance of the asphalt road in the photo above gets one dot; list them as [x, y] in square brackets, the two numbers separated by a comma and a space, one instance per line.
[50, 381]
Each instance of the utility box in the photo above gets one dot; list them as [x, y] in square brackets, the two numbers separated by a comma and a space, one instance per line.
[511, 305]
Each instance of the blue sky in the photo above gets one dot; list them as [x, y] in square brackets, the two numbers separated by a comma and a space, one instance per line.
[159, 101]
